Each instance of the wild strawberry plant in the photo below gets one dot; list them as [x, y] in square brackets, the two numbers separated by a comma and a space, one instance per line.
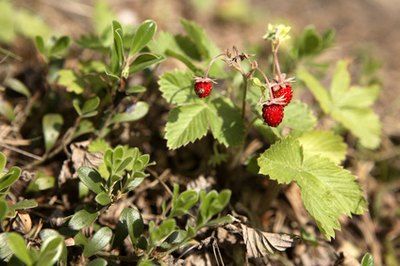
[299, 151]
[227, 100]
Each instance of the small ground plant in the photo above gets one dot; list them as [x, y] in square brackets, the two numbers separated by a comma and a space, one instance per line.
[108, 176]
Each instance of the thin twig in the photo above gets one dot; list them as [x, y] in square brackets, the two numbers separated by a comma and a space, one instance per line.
[20, 151]
[154, 173]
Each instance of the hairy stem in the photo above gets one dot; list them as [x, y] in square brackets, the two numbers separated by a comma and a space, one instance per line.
[245, 86]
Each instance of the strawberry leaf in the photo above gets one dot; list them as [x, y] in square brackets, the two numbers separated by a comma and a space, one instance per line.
[327, 190]
[348, 105]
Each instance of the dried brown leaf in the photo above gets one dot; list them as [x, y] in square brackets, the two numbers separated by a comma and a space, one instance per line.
[260, 244]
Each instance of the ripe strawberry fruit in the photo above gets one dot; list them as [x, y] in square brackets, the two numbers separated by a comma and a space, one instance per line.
[203, 87]
[272, 114]
[286, 92]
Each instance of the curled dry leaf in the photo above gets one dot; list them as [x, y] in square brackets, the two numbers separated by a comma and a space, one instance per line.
[260, 244]
[80, 156]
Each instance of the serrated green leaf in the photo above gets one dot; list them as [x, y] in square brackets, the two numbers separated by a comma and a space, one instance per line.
[328, 191]
[70, 80]
[17, 245]
[143, 36]
[299, 118]
[325, 144]
[82, 218]
[319, 92]
[358, 97]
[226, 122]
[177, 87]
[51, 124]
[363, 123]
[99, 241]
[135, 112]
[186, 124]
[340, 80]
[348, 105]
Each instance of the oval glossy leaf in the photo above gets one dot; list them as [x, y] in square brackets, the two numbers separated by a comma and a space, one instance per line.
[17, 245]
[51, 251]
[51, 124]
[99, 241]
[144, 61]
[82, 218]
[133, 113]
[91, 178]
[103, 199]
[17, 86]
[143, 36]
[3, 209]
[91, 105]
[3, 161]
[9, 178]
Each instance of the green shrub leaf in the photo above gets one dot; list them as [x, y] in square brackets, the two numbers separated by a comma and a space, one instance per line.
[51, 124]
[99, 241]
[328, 191]
[136, 112]
[82, 218]
[17, 245]
[91, 178]
[143, 36]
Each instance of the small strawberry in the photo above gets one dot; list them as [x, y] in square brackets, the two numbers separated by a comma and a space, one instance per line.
[272, 114]
[286, 92]
[203, 86]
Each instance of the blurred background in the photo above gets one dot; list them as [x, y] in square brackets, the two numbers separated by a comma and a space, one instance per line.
[367, 32]
[365, 29]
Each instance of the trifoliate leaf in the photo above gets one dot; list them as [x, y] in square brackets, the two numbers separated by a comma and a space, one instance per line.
[177, 87]
[328, 191]
[348, 105]
[186, 124]
[299, 118]
[325, 144]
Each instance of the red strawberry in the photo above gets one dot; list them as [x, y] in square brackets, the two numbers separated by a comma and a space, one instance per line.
[286, 92]
[272, 114]
[203, 87]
